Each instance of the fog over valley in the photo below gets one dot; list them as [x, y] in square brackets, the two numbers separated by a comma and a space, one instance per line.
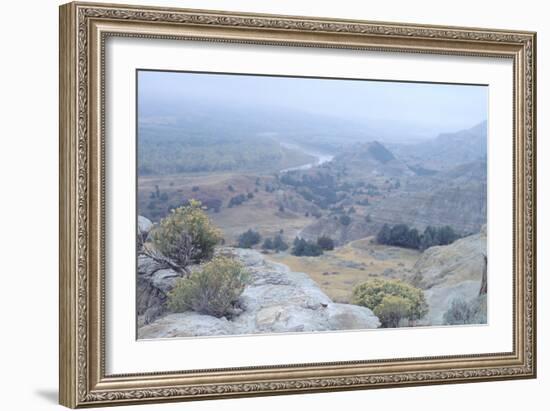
[344, 182]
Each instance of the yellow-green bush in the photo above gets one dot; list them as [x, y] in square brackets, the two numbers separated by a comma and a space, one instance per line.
[186, 230]
[391, 310]
[211, 291]
[372, 293]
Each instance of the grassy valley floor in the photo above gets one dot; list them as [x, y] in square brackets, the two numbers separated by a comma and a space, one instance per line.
[339, 271]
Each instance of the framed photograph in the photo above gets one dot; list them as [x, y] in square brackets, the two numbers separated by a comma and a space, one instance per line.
[259, 204]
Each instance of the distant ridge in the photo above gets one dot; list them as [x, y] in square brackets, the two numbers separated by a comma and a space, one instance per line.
[447, 150]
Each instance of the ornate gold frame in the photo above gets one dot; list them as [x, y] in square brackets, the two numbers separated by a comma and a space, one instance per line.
[83, 30]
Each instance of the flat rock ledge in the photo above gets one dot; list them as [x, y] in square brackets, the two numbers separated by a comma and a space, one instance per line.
[276, 301]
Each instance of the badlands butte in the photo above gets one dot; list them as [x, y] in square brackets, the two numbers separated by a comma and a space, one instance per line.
[346, 192]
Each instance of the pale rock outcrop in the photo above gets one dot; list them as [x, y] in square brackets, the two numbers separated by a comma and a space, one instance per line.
[153, 281]
[276, 300]
[144, 224]
[440, 299]
[451, 272]
[153, 284]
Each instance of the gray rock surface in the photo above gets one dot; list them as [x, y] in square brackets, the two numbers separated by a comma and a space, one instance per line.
[276, 300]
[144, 224]
[452, 264]
[153, 284]
[451, 272]
[440, 299]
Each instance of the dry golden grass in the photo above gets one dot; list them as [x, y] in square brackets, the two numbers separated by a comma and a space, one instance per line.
[180, 187]
[268, 221]
[337, 272]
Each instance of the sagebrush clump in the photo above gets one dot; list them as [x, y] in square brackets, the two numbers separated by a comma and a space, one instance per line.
[467, 312]
[186, 234]
[214, 290]
[391, 310]
[380, 296]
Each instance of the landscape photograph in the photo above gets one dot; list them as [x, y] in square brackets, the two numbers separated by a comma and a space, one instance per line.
[280, 204]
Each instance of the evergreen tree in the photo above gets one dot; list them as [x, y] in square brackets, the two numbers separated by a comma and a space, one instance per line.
[249, 238]
[268, 244]
[345, 220]
[429, 238]
[384, 235]
[325, 242]
[413, 238]
[446, 235]
[399, 234]
[306, 248]
[279, 244]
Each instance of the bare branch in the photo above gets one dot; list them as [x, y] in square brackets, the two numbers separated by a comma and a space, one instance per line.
[141, 239]
[181, 254]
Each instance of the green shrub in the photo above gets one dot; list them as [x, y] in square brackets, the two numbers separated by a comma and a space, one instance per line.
[236, 200]
[186, 230]
[325, 242]
[211, 291]
[345, 220]
[437, 236]
[249, 238]
[391, 310]
[371, 294]
[276, 243]
[268, 244]
[384, 235]
[306, 248]
[279, 244]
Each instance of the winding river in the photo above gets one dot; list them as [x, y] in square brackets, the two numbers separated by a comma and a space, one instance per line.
[320, 158]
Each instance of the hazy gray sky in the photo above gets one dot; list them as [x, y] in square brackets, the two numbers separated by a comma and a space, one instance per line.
[423, 108]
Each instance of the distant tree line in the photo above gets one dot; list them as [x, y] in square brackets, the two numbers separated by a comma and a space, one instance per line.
[302, 247]
[239, 199]
[402, 235]
[167, 150]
